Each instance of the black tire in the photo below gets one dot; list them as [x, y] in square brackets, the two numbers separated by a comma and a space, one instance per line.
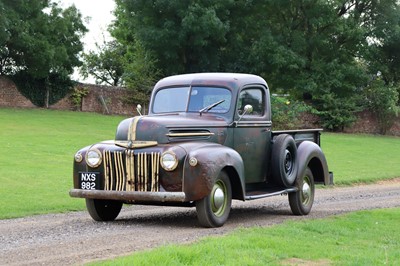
[301, 201]
[284, 160]
[103, 210]
[213, 210]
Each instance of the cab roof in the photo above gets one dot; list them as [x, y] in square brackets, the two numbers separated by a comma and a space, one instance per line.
[231, 80]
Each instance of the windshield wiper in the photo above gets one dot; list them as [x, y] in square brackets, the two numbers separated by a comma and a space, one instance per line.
[211, 106]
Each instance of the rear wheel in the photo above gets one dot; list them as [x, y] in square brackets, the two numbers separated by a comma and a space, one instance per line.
[103, 210]
[213, 210]
[302, 200]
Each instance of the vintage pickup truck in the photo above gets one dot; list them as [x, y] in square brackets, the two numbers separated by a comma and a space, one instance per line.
[206, 140]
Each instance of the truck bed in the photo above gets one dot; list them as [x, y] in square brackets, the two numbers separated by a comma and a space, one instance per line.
[300, 135]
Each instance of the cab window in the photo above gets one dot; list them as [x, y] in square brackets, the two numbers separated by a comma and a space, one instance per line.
[255, 97]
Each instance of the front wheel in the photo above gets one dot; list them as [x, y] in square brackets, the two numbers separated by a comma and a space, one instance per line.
[103, 210]
[302, 200]
[213, 210]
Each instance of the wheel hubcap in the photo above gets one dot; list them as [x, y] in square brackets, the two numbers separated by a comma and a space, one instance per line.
[306, 191]
[218, 199]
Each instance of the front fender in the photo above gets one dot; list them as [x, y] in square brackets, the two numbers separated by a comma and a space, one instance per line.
[211, 160]
[310, 155]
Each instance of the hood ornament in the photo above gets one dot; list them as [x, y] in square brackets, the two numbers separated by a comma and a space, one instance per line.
[135, 144]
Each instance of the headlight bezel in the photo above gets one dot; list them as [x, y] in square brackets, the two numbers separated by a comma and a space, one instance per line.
[169, 164]
[97, 160]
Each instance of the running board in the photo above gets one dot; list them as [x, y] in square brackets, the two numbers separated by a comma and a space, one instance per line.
[264, 194]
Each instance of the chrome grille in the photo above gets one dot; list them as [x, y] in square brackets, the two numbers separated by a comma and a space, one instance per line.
[127, 171]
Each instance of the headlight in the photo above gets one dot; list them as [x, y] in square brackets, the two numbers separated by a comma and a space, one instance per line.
[93, 158]
[169, 161]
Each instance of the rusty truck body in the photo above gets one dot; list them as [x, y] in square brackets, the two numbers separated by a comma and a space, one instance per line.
[207, 139]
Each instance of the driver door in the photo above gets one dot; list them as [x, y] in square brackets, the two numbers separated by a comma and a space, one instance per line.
[252, 133]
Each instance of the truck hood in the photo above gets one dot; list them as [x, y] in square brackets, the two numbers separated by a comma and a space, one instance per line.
[173, 128]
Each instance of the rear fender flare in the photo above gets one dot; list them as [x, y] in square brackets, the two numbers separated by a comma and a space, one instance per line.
[199, 179]
[310, 155]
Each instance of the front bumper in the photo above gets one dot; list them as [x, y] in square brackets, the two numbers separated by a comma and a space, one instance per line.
[129, 195]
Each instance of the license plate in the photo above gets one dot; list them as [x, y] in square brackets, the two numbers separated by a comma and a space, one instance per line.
[89, 180]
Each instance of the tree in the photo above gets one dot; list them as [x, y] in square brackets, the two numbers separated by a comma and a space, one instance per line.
[384, 48]
[42, 42]
[187, 33]
[327, 50]
[140, 63]
[322, 51]
[4, 37]
[382, 100]
[106, 65]
[140, 73]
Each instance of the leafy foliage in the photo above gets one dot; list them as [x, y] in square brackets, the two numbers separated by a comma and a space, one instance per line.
[41, 41]
[324, 51]
[185, 36]
[382, 100]
[141, 73]
[336, 113]
[288, 114]
[78, 93]
[43, 91]
[106, 65]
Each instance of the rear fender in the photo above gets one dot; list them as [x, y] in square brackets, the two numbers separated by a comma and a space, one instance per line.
[310, 155]
[203, 165]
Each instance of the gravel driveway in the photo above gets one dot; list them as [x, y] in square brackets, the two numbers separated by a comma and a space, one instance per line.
[74, 238]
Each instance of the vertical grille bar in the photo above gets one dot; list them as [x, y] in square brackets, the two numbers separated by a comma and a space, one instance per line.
[134, 173]
[155, 159]
[106, 171]
[125, 171]
[139, 172]
[110, 165]
[157, 173]
[116, 165]
[146, 179]
[129, 174]
[120, 171]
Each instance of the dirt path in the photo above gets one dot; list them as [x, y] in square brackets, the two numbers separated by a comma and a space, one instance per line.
[73, 238]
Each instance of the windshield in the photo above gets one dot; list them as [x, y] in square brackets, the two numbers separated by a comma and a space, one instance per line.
[192, 99]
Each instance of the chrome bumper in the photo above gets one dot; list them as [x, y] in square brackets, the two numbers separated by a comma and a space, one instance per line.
[129, 195]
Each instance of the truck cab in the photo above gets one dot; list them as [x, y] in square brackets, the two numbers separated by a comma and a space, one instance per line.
[206, 140]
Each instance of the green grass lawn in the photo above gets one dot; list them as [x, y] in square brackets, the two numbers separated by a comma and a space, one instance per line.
[361, 158]
[37, 149]
[361, 238]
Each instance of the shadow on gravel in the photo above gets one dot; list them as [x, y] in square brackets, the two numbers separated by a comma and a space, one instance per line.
[173, 217]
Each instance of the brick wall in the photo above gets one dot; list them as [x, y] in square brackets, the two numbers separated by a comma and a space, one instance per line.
[114, 99]
[10, 96]
[367, 123]
[100, 99]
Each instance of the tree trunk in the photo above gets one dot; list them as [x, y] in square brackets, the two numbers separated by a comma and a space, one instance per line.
[46, 103]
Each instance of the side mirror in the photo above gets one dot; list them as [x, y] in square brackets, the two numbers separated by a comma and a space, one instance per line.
[139, 109]
[248, 109]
